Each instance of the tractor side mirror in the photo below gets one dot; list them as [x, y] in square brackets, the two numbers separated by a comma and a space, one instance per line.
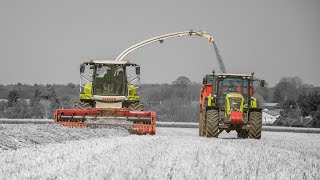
[204, 81]
[262, 83]
[82, 68]
[138, 70]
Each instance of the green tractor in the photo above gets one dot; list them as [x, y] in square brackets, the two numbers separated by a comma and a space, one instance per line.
[107, 84]
[227, 103]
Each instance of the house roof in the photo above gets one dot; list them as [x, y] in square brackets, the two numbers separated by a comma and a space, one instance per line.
[270, 104]
[271, 112]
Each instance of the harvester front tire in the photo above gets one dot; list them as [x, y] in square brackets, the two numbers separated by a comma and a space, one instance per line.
[81, 105]
[136, 106]
[255, 120]
[78, 105]
[212, 123]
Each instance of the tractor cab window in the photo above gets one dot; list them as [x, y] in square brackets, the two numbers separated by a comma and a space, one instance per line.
[232, 85]
[229, 85]
[109, 80]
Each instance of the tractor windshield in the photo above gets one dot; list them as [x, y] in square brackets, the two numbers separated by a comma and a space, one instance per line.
[109, 80]
[232, 85]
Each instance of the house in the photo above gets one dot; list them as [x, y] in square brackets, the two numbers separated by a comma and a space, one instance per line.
[303, 122]
[4, 100]
[270, 113]
[269, 116]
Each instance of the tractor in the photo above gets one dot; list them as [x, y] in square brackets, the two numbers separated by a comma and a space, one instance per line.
[108, 97]
[227, 103]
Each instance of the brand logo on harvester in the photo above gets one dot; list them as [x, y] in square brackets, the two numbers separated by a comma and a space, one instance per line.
[109, 99]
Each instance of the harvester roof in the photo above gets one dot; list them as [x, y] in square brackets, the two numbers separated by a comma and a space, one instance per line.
[92, 62]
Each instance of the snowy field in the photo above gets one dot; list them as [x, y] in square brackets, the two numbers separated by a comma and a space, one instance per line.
[54, 152]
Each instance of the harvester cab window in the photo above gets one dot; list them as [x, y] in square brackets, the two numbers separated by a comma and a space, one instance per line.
[132, 76]
[109, 80]
[86, 78]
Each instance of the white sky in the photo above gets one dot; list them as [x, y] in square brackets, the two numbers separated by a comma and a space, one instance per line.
[45, 41]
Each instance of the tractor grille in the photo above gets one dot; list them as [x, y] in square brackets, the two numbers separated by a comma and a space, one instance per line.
[235, 103]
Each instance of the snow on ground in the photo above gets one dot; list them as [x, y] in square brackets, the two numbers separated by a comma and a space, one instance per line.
[14, 136]
[171, 154]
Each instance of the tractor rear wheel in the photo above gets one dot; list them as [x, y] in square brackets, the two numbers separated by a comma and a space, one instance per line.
[201, 124]
[136, 106]
[212, 123]
[255, 119]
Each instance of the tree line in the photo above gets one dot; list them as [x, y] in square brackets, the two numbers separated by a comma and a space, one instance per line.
[38, 101]
[177, 101]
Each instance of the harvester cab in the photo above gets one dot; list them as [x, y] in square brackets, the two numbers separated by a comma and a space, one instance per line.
[109, 97]
[109, 84]
[227, 103]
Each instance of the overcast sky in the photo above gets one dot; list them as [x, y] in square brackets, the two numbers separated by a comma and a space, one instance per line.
[45, 41]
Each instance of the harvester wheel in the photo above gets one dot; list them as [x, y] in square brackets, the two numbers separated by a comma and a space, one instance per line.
[137, 106]
[87, 105]
[212, 123]
[77, 105]
[255, 119]
[81, 105]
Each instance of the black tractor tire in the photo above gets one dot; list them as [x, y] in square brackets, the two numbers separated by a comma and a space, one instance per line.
[82, 105]
[77, 105]
[255, 119]
[201, 124]
[212, 123]
[136, 106]
[243, 134]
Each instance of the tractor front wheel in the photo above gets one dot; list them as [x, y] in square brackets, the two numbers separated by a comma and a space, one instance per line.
[255, 119]
[212, 123]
